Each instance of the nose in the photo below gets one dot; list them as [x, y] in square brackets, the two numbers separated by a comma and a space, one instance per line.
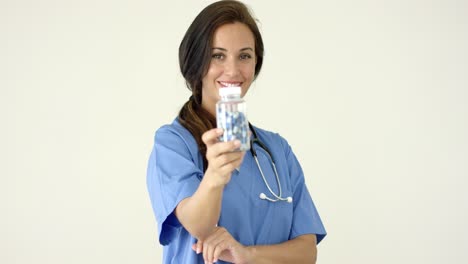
[231, 67]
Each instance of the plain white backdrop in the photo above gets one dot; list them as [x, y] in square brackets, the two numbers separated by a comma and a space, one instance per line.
[371, 95]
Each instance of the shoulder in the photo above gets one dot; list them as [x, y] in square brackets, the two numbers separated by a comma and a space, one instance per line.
[174, 134]
[175, 129]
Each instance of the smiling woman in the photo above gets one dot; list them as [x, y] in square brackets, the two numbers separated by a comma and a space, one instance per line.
[198, 55]
[199, 206]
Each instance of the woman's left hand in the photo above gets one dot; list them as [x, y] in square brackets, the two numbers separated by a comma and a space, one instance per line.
[221, 245]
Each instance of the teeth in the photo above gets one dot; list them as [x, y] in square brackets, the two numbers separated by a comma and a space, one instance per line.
[230, 84]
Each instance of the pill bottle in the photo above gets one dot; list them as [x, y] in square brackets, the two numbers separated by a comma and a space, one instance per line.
[231, 116]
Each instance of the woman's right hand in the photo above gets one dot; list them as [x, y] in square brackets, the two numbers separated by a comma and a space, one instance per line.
[222, 159]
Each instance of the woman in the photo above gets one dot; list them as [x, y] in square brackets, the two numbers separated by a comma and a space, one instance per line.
[213, 204]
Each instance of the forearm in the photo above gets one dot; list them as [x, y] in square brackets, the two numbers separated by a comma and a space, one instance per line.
[299, 250]
[199, 214]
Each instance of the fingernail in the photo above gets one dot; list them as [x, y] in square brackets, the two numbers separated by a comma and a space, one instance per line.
[219, 130]
[237, 143]
[198, 250]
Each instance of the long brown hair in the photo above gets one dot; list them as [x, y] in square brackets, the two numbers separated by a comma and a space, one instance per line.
[195, 56]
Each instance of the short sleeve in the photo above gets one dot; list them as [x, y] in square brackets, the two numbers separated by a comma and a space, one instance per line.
[306, 219]
[172, 176]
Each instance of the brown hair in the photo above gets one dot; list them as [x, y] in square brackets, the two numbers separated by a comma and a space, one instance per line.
[195, 56]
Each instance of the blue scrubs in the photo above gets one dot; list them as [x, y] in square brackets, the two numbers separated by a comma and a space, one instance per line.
[175, 170]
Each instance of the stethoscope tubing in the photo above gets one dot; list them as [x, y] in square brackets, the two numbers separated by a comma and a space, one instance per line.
[279, 196]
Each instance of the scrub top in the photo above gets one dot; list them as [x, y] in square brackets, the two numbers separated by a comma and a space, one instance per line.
[175, 170]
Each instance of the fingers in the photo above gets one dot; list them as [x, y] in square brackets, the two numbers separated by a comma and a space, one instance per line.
[220, 245]
[210, 137]
[215, 150]
[220, 169]
[233, 158]
[222, 157]
[215, 244]
[197, 247]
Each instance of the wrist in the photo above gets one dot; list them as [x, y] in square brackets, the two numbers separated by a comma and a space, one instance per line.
[251, 254]
[212, 182]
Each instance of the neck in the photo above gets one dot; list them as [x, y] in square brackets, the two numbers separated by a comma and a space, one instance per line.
[209, 108]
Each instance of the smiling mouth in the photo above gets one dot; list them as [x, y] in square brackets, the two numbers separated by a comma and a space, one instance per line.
[230, 84]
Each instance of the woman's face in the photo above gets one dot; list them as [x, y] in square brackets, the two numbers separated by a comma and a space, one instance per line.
[232, 62]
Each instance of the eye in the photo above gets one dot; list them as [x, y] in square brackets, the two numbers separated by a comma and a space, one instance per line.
[245, 56]
[217, 56]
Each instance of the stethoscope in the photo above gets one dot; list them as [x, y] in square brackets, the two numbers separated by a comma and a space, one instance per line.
[277, 197]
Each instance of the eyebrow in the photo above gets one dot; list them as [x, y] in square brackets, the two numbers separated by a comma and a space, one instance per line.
[243, 49]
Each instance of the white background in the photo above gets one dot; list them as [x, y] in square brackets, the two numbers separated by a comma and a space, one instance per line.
[371, 95]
